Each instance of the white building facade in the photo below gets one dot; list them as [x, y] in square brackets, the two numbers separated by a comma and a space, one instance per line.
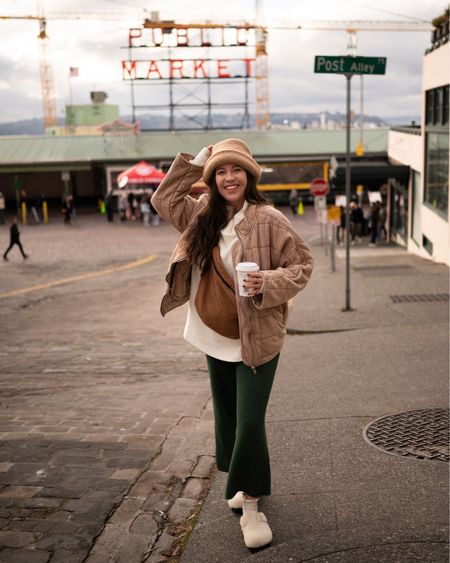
[426, 151]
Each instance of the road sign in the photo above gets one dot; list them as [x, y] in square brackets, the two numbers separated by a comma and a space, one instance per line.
[334, 215]
[350, 65]
[319, 187]
[320, 203]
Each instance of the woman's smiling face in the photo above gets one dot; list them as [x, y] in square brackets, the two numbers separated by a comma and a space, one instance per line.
[231, 180]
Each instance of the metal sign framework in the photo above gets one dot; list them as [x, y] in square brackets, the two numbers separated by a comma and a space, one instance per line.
[188, 74]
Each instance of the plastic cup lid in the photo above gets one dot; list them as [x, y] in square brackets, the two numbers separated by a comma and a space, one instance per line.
[247, 266]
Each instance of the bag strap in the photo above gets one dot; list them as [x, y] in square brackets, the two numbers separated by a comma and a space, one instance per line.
[220, 269]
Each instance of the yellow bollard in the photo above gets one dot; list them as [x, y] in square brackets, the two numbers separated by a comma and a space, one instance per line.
[24, 213]
[45, 211]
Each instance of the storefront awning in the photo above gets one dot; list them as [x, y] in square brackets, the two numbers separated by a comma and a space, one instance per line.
[373, 173]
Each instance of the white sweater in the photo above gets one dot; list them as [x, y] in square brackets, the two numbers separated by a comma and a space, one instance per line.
[195, 331]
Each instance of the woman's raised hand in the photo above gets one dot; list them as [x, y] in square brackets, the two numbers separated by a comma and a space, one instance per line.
[202, 156]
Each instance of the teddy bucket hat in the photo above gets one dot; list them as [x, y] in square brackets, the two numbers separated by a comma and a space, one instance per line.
[231, 151]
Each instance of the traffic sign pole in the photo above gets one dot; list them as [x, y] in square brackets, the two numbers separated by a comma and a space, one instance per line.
[347, 306]
[348, 66]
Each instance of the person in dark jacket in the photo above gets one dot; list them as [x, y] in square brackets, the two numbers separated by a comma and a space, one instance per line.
[373, 221]
[14, 239]
[356, 221]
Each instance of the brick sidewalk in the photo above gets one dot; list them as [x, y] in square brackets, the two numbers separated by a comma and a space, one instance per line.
[106, 435]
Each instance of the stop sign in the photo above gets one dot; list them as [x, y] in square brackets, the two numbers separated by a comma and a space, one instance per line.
[319, 187]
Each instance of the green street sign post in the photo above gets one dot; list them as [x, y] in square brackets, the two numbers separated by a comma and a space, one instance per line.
[348, 66]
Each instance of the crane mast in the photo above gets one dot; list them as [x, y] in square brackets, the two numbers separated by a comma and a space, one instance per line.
[47, 85]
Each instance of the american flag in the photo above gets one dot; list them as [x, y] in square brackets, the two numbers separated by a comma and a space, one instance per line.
[74, 71]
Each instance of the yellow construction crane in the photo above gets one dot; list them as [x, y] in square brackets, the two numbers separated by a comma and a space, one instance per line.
[47, 85]
[48, 90]
[262, 109]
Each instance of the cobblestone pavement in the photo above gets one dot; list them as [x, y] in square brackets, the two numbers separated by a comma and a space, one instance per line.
[106, 444]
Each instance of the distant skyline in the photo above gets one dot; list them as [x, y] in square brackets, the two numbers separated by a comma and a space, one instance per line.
[94, 47]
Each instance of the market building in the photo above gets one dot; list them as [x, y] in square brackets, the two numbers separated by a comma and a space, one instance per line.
[88, 166]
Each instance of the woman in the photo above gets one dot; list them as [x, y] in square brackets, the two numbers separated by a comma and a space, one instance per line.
[241, 336]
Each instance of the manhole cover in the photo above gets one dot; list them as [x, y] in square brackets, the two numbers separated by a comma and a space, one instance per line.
[418, 434]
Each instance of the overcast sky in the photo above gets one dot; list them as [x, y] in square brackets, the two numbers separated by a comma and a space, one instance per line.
[94, 46]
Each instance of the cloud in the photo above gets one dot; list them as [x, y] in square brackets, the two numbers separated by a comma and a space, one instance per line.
[95, 47]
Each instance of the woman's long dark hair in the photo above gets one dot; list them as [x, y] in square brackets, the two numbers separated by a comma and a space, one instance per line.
[204, 234]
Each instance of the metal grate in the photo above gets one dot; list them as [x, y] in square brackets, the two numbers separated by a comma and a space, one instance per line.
[385, 270]
[419, 298]
[418, 434]
[403, 267]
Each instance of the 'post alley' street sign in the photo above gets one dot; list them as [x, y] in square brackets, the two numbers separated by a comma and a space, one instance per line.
[350, 65]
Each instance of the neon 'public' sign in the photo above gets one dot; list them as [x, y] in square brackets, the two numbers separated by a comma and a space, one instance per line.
[174, 38]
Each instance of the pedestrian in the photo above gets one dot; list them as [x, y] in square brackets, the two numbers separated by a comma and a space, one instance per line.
[33, 211]
[293, 202]
[382, 216]
[2, 209]
[241, 336]
[356, 221]
[340, 232]
[373, 223]
[73, 211]
[67, 210]
[131, 207]
[109, 207]
[123, 207]
[41, 204]
[14, 234]
[145, 210]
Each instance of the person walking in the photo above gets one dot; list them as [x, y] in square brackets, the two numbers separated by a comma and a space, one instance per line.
[145, 210]
[293, 202]
[109, 207]
[14, 239]
[382, 216]
[356, 221]
[340, 231]
[67, 209]
[241, 335]
[2, 209]
[33, 211]
[373, 222]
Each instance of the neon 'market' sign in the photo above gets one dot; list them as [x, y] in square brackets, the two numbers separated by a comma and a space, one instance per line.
[199, 38]
[186, 68]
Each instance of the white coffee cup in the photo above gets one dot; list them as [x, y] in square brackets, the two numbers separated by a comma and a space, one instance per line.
[242, 269]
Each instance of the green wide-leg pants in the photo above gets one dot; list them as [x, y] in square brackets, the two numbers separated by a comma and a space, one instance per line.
[240, 400]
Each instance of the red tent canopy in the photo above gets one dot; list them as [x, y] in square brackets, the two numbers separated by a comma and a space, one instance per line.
[140, 173]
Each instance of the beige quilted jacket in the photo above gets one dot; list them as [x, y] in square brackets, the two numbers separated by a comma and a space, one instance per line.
[265, 237]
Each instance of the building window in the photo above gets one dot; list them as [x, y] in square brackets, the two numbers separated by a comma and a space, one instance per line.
[445, 112]
[416, 202]
[429, 107]
[436, 151]
[436, 184]
[436, 106]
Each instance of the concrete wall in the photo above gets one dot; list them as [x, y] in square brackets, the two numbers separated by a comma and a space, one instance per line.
[406, 149]
[436, 68]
